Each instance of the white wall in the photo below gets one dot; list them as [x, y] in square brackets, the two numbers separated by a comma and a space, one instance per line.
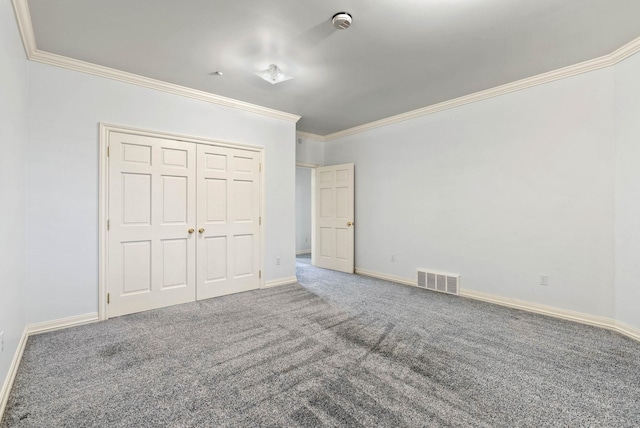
[309, 151]
[499, 191]
[13, 139]
[303, 210]
[62, 183]
[627, 229]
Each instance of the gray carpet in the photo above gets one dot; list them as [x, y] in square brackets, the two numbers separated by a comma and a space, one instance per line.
[336, 350]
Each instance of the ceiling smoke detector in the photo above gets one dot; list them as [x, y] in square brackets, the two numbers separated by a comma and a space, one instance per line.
[341, 20]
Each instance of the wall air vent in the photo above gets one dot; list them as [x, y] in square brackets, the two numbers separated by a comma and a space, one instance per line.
[436, 281]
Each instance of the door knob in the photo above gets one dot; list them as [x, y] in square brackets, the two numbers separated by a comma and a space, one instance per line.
[201, 230]
[351, 223]
[191, 230]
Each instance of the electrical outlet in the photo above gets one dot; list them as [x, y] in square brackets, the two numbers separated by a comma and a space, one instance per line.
[278, 261]
[544, 280]
[306, 240]
[393, 258]
[1, 341]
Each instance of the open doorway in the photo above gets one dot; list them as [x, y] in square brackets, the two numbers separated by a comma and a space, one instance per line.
[325, 216]
[304, 210]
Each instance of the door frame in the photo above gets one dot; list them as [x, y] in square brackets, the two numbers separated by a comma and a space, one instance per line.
[105, 131]
[313, 167]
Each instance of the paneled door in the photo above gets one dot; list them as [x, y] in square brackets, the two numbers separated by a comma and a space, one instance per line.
[228, 221]
[334, 225]
[152, 216]
[183, 222]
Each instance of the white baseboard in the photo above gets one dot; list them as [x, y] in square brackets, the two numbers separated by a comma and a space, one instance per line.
[627, 330]
[13, 370]
[280, 281]
[386, 277]
[551, 311]
[32, 329]
[43, 327]
[303, 252]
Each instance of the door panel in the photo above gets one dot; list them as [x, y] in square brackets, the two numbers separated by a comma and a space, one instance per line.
[175, 203]
[216, 258]
[175, 262]
[152, 190]
[228, 205]
[136, 195]
[334, 244]
[136, 267]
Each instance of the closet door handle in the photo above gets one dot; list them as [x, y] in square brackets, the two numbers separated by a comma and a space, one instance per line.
[201, 230]
[191, 230]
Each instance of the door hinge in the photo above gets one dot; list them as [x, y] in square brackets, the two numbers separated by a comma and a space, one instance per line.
[108, 151]
[108, 298]
[260, 168]
[108, 224]
[259, 221]
[260, 274]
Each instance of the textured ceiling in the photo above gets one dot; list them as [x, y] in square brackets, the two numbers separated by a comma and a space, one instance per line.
[397, 56]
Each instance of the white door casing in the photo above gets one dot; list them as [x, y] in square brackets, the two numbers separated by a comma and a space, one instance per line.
[228, 221]
[334, 217]
[151, 209]
[151, 251]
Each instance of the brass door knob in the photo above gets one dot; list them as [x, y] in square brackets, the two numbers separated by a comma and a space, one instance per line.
[191, 230]
[201, 230]
[350, 223]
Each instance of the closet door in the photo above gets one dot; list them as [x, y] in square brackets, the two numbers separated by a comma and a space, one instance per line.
[228, 204]
[152, 201]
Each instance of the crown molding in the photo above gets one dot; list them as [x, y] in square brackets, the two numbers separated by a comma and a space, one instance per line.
[609, 60]
[310, 136]
[25, 26]
[122, 76]
[21, 9]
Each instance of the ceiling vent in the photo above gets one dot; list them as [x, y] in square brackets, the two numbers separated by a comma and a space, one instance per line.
[442, 282]
[342, 20]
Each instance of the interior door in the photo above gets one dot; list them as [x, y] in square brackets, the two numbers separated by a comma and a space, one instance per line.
[228, 221]
[152, 191]
[334, 234]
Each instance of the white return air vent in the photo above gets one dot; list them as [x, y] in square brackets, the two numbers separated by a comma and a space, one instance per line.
[437, 281]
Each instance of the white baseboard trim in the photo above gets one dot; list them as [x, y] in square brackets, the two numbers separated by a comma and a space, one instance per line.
[303, 252]
[33, 329]
[13, 370]
[627, 330]
[386, 277]
[43, 327]
[280, 281]
[552, 311]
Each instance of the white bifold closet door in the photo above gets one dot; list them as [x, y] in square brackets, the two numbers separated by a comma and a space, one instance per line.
[183, 222]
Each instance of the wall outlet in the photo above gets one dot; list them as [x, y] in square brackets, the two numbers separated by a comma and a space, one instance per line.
[393, 258]
[306, 240]
[544, 280]
[1, 341]
[278, 261]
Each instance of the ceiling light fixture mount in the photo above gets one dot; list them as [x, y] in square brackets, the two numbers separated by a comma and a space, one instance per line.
[273, 75]
[342, 20]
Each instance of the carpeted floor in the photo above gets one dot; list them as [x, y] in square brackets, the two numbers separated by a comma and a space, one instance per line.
[336, 350]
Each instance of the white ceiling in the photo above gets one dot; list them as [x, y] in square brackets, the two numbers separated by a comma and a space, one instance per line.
[397, 56]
